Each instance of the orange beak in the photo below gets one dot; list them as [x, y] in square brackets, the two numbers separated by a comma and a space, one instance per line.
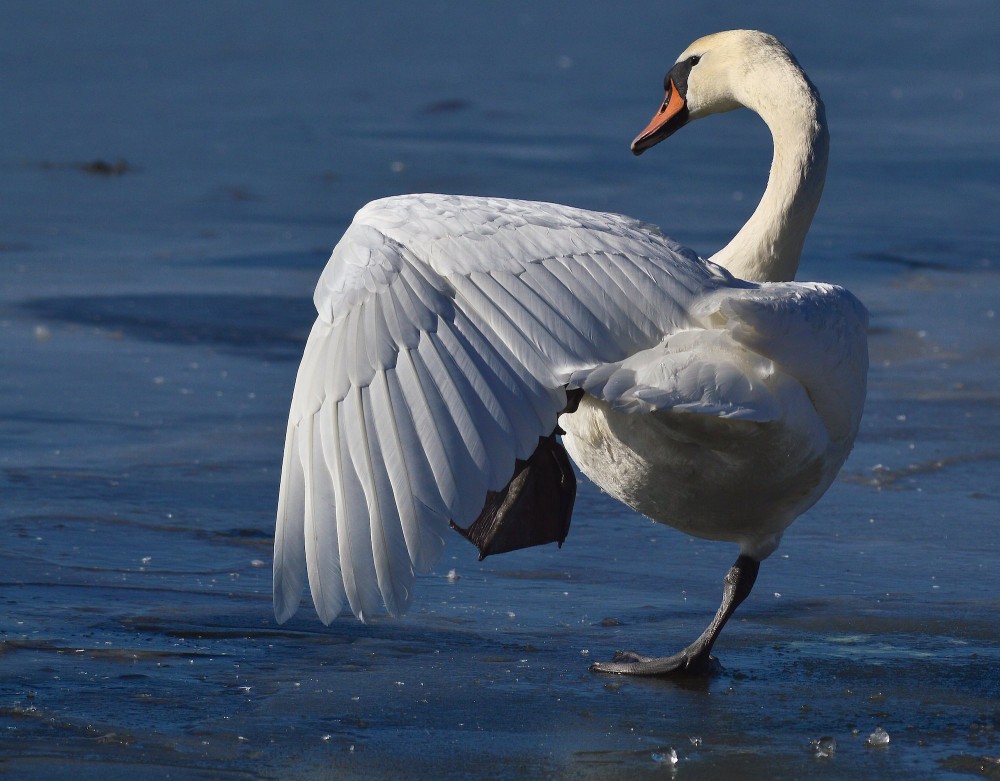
[670, 118]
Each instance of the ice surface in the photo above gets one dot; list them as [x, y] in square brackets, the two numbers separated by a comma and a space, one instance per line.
[152, 314]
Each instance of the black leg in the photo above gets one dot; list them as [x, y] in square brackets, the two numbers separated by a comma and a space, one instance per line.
[697, 658]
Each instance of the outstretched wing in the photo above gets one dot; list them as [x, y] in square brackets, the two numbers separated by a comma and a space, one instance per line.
[448, 329]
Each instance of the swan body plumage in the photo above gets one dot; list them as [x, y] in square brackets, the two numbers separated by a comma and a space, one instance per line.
[718, 396]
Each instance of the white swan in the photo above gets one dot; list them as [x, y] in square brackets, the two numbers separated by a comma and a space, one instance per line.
[453, 333]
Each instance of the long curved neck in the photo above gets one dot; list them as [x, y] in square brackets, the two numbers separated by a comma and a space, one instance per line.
[768, 246]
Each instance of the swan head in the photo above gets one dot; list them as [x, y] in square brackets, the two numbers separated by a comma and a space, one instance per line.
[717, 73]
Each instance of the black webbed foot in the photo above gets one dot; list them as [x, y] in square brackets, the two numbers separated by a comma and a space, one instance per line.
[697, 658]
[536, 506]
[678, 665]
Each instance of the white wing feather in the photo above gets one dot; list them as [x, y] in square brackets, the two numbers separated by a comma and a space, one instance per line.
[289, 534]
[448, 328]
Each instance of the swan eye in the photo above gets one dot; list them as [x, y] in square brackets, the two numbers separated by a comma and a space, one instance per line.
[677, 76]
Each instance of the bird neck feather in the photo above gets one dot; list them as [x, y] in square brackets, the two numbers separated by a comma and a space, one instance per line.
[768, 247]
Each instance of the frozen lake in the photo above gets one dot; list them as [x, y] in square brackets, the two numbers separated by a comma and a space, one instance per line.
[172, 179]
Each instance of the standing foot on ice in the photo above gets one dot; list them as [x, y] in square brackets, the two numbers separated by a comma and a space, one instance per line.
[697, 658]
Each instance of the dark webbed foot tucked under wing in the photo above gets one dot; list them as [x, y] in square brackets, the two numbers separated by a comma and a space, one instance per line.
[536, 506]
